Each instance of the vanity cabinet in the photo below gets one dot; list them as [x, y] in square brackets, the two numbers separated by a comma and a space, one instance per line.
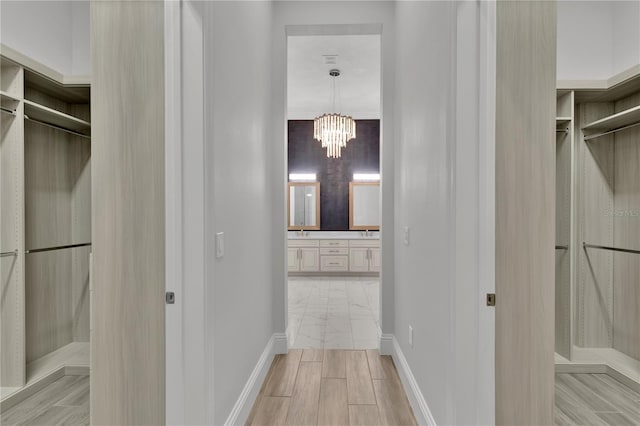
[303, 256]
[334, 256]
[364, 256]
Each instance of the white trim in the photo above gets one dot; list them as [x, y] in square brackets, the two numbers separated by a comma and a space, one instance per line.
[247, 398]
[280, 343]
[386, 344]
[411, 388]
[607, 84]
[38, 67]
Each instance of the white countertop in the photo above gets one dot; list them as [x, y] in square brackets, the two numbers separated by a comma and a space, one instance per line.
[333, 235]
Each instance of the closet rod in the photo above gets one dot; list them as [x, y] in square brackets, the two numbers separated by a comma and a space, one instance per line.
[586, 246]
[7, 111]
[57, 127]
[588, 138]
[9, 253]
[562, 247]
[56, 248]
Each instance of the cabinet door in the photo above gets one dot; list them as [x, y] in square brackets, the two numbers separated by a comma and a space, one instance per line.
[292, 257]
[358, 259]
[309, 259]
[374, 260]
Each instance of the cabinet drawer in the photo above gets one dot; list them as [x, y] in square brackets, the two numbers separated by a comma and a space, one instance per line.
[364, 243]
[303, 243]
[334, 251]
[334, 243]
[334, 263]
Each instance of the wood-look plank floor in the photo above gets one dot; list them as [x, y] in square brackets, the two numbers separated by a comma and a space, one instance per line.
[595, 399]
[332, 388]
[63, 402]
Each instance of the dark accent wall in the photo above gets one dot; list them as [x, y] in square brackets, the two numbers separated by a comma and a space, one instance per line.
[362, 155]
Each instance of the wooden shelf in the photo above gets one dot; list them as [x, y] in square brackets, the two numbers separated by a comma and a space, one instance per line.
[56, 118]
[615, 121]
[562, 122]
[8, 102]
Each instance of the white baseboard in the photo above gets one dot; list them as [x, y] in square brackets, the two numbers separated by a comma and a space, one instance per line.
[386, 344]
[243, 405]
[411, 388]
[280, 343]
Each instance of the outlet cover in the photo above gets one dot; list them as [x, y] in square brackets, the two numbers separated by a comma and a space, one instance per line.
[410, 336]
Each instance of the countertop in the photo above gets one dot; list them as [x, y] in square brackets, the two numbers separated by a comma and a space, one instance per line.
[333, 235]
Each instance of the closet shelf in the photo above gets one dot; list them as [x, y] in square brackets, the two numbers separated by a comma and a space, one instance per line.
[615, 122]
[8, 103]
[562, 121]
[55, 118]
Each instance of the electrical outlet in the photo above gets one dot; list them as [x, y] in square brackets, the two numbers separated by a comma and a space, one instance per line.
[405, 233]
[410, 336]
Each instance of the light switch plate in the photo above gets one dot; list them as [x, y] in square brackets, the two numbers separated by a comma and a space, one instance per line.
[219, 244]
[405, 233]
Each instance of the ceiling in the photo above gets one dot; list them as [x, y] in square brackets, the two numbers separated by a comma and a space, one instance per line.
[309, 85]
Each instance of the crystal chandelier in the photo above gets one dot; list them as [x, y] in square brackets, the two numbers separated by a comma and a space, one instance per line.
[334, 130]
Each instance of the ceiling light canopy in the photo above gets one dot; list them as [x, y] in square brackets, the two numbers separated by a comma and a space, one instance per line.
[334, 130]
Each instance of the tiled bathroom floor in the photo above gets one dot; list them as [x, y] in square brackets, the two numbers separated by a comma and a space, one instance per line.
[336, 313]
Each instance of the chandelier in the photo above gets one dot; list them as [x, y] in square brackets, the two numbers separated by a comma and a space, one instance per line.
[334, 130]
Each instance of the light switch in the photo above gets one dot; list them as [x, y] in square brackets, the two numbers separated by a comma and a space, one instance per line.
[219, 244]
[405, 232]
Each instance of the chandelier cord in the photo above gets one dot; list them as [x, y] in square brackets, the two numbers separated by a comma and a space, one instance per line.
[334, 93]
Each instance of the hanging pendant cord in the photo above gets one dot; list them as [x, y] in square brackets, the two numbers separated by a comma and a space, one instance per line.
[334, 94]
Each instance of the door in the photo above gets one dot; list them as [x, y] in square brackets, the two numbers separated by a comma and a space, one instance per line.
[293, 255]
[359, 259]
[525, 212]
[309, 259]
[374, 260]
[128, 213]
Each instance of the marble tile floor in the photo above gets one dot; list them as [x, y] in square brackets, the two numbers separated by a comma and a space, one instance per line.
[334, 313]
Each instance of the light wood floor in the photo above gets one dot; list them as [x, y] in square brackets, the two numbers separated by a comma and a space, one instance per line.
[63, 402]
[595, 399]
[332, 387]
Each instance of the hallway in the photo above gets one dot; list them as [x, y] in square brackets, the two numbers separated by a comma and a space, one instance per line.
[332, 387]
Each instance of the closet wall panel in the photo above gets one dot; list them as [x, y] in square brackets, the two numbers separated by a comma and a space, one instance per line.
[127, 106]
[12, 341]
[626, 217]
[563, 238]
[595, 295]
[58, 206]
[525, 206]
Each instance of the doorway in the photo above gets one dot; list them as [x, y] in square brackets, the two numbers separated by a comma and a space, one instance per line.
[333, 196]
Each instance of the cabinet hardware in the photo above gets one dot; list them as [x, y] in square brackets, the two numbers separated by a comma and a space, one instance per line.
[491, 299]
[170, 298]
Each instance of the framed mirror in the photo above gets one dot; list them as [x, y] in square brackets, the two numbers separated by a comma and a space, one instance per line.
[304, 205]
[364, 206]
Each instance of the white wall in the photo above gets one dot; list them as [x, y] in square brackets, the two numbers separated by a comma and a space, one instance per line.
[238, 194]
[424, 196]
[55, 33]
[80, 38]
[626, 35]
[326, 13]
[597, 39]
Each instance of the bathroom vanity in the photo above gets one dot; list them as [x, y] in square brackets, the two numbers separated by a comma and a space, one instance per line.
[337, 253]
